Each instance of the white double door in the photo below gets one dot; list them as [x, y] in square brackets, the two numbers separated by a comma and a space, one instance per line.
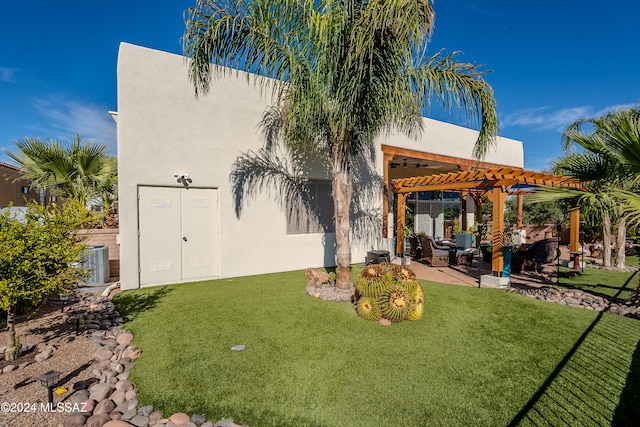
[178, 234]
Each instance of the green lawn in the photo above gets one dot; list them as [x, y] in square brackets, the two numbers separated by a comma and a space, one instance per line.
[600, 282]
[479, 357]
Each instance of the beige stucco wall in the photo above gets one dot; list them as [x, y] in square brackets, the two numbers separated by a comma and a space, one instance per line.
[164, 129]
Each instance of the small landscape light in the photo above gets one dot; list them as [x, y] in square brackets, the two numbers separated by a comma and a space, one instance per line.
[63, 298]
[49, 380]
[76, 315]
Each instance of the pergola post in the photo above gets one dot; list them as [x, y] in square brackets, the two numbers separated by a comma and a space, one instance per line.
[519, 213]
[497, 238]
[463, 211]
[574, 229]
[402, 205]
[385, 194]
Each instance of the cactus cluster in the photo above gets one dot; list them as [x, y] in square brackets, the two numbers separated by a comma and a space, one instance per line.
[389, 291]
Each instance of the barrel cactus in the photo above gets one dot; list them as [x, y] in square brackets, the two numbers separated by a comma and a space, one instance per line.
[395, 303]
[416, 308]
[373, 280]
[369, 309]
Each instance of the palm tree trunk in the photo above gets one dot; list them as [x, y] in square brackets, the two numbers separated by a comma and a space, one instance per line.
[621, 238]
[342, 190]
[10, 352]
[606, 240]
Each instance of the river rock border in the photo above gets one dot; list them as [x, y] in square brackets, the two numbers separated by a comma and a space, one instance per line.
[580, 299]
[110, 399]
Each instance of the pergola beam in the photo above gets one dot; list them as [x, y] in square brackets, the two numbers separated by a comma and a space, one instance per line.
[497, 184]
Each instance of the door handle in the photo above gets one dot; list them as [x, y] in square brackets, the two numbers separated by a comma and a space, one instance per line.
[184, 238]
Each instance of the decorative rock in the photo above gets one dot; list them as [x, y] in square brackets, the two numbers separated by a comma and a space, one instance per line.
[103, 354]
[79, 396]
[98, 420]
[75, 420]
[118, 396]
[125, 338]
[89, 405]
[140, 421]
[8, 368]
[104, 407]
[129, 413]
[132, 404]
[207, 424]
[179, 418]
[41, 357]
[130, 394]
[124, 385]
[155, 417]
[385, 322]
[115, 415]
[117, 423]
[132, 352]
[225, 422]
[24, 365]
[145, 410]
[198, 419]
[101, 391]
[238, 347]
[313, 274]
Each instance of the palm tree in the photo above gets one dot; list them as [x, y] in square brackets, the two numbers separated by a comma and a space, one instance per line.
[341, 72]
[75, 170]
[609, 159]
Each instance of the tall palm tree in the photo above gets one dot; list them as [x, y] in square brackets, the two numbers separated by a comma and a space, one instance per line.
[609, 159]
[342, 72]
[84, 172]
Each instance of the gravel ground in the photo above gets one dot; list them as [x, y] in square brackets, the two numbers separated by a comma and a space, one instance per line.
[73, 357]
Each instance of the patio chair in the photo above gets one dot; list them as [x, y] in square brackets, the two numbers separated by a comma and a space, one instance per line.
[540, 253]
[438, 256]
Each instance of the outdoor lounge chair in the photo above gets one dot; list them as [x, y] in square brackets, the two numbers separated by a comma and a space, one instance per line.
[438, 256]
[540, 253]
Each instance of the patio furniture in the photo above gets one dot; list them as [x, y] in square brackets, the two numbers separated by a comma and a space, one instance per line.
[538, 254]
[377, 257]
[441, 255]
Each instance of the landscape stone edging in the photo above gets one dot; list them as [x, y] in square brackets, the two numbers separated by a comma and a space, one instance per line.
[110, 400]
[579, 299]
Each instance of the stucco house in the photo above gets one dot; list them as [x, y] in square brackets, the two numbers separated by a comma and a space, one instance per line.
[14, 190]
[178, 218]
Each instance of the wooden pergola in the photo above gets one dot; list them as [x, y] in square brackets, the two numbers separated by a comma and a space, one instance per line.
[495, 184]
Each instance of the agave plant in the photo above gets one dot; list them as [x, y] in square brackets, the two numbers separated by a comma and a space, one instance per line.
[395, 303]
[369, 309]
[373, 280]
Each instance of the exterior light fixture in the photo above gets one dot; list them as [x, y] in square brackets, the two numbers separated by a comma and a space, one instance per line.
[49, 380]
[183, 178]
[63, 299]
[76, 315]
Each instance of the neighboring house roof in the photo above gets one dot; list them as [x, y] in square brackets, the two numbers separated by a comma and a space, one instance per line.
[10, 166]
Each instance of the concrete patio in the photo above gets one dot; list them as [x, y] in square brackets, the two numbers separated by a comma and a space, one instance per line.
[464, 275]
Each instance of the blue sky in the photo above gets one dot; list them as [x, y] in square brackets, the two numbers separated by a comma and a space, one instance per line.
[552, 62]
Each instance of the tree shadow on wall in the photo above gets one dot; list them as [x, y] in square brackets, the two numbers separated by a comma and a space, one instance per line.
[298, 178]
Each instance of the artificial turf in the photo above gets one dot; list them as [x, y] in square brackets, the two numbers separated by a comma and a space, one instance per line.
[479, 357]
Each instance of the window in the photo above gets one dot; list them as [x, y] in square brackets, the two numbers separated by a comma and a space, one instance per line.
[314, 211]
[25, 190]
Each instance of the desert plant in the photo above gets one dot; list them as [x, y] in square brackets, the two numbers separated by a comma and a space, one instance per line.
[369, 308]
[389, 291]
[373, 280]
[38, 258]
[395, 303]
[416, 308]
